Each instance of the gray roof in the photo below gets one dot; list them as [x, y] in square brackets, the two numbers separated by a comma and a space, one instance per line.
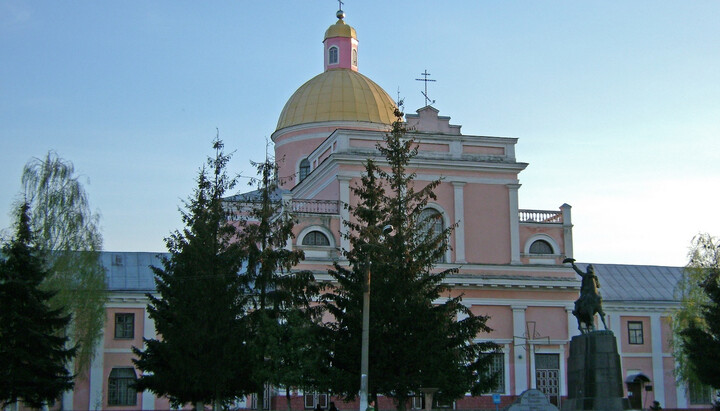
[621, 282]
[130, 271]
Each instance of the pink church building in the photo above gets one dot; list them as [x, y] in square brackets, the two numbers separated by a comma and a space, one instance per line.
[509, 259]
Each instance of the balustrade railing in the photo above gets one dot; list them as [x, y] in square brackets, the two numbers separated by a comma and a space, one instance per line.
[541, 216]
[315, 206]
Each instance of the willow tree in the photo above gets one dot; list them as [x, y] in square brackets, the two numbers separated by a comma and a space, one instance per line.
[67, 235]
[696, 325]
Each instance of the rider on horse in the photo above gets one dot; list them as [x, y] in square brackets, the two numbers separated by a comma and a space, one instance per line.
[590, 301]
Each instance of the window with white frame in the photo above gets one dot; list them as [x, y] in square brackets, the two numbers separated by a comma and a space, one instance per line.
[699, 393]
[304, 169]
[314, 399]
[635, 332]
[315, 238]
[124, 325]
[333, 55]
[541, 247]
[497, 367]
[431, 222]
[120, 387]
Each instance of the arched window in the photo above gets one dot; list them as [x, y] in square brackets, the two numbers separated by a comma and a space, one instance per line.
[315, 238]
[432, 219]
[333, 55]
[304, 169]
[541, 247]
[120, 387]
[354, 57]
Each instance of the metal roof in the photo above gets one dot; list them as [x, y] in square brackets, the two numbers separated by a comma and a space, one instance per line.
[130, 271]
[622, 282]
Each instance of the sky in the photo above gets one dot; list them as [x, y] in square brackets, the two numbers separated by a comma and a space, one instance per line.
[616, 103]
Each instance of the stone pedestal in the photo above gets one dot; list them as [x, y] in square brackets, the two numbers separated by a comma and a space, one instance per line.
[594, 374]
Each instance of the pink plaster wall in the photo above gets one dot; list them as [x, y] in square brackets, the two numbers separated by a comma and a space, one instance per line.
[666, 333]
[468, 149]
[345, 46]
[442, 148]
[669, 383]
[116, 360]
[646, 346]
[500, 320]
[549, 321]
[487, 224]
[81, 392]
[110, 340]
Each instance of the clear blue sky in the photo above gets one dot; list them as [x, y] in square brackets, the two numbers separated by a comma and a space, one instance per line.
[616, 103]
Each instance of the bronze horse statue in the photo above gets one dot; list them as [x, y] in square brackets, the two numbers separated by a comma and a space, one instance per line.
[590, 301]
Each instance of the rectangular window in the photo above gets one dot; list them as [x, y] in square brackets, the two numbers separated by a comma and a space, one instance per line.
[498, 365]
[313, 399]
[125, 325]
[635, 332]
[699, 394]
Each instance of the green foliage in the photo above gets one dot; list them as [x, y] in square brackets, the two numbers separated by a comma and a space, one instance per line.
[280, 318]
[67, 235]
[199, 356]
[696, 326]
[33, 355]
[412, 313]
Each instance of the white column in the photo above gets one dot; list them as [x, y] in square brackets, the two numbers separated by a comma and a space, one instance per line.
[681, 394]
[521, 383]
[563, 367]
[567, 230]
[460, 219]
[96, 379]
[572, 323]
[514, 223]
[287, 205]
[344, 212]
[148, 399]
[657, 359]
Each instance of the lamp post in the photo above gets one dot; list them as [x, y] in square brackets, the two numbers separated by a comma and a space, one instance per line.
[364, 356]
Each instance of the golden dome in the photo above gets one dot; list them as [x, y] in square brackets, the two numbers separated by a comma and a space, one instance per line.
[338, 95]
[340, 29]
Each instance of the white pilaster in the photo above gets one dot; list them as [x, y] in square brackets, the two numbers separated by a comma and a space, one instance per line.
[148, 399]
[96, 376]
[287, 205]
[460, 219]
[657, 358]
[567, 229]
[681, 394]
[344, 212]
[520, 360]
[572, 323]
[514, 223]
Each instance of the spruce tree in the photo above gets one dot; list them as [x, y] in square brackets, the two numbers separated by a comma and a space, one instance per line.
[278, 297]
[199, 355]
[33, 350]
[414, 340]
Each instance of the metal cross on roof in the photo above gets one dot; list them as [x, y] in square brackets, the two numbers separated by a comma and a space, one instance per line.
[340, 3]
[425, 79]
[531, 336]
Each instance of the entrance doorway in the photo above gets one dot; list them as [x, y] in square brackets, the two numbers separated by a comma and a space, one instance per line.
[547, 376]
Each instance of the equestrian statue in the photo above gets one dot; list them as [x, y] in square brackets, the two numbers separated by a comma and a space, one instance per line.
[590, 301]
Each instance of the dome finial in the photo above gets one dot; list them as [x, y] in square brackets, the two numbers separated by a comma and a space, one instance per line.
[340, 13]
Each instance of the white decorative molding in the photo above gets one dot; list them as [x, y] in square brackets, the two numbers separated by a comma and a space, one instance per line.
[460, 219]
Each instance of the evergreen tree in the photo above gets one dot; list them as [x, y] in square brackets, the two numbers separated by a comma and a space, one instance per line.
[414, 341]
[33, 351]
[199, 356]
[697, 325]
[279, 298]
[67, 234]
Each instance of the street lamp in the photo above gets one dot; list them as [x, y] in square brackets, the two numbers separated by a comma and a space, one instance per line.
[366, 330]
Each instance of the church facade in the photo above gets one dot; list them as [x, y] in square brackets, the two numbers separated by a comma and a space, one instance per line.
[509, 259]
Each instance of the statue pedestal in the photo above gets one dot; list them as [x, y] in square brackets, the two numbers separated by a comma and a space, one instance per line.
[594, 374]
